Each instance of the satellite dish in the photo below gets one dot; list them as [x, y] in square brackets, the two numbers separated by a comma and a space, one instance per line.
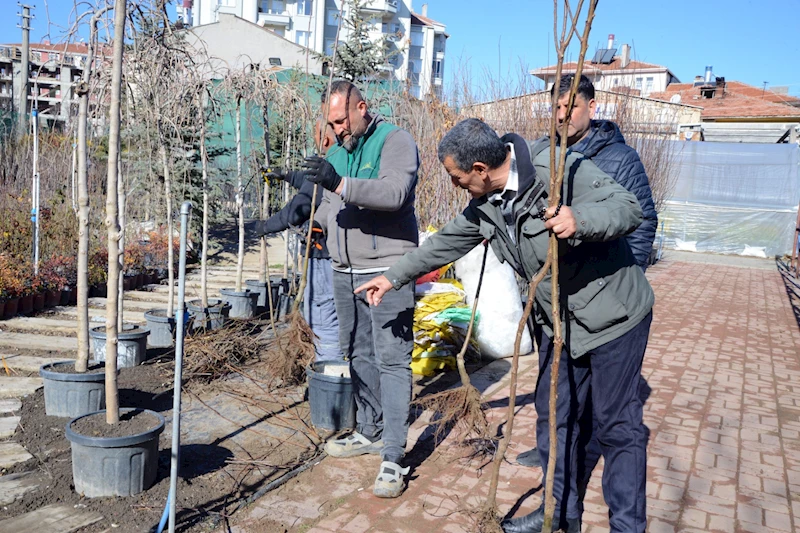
[676, 99]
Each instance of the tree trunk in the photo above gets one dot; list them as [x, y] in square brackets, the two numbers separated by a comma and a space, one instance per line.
[121, 204]
[239, 195]
[264, 266]
[82, 359]
[168, 202]
[204, 164]
[112, 221]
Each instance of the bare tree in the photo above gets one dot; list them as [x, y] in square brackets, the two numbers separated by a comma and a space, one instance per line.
[112, 217]
[83, 89]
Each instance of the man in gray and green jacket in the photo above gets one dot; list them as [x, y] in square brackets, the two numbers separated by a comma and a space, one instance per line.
[368, 217]
[605, 298]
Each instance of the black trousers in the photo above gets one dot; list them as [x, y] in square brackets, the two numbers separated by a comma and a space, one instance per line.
[608, 381]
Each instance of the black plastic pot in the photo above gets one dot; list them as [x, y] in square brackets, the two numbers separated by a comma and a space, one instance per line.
[131, 345]
[114, 466]
[260, 288]
[72, 394]
[330, 397]
[243, 303]
[162, 328]
[208, 318]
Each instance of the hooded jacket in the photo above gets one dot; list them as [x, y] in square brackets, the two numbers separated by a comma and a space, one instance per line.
[605, 146]
[604, 294]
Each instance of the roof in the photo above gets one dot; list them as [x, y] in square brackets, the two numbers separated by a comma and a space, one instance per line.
[420, 20]
[588, 66]
[735, 102]
[68, 48]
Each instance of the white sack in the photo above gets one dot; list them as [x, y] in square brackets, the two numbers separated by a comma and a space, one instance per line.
[500, 304]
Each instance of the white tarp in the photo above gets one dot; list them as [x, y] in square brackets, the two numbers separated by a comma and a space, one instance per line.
[732, 197]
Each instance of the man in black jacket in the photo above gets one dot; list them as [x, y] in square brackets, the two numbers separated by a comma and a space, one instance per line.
[318, 304]
[603, 143]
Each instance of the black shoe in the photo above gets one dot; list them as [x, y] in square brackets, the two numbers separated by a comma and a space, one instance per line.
[530, 458]
[532, 523]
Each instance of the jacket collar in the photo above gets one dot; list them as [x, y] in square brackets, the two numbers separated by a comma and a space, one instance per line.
[527, 174]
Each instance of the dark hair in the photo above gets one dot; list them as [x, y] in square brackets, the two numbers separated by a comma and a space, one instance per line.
[343, 87]
[472, 141]
[585, 87]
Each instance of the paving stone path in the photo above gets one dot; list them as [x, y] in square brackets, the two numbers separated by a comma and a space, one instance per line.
[723, 363]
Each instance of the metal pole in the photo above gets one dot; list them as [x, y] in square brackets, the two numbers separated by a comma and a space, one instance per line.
[186, 209]
[22, 110]
[35, 207]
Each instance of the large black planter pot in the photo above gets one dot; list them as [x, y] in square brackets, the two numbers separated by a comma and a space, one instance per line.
[114, 466]
[131, 345]
[208, 318]
[243, 303]
[260, 288]
[72, 394]
[162, 328]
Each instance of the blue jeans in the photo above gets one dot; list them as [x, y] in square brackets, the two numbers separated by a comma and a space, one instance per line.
[378, 341]
[320, 310]
[611, 374]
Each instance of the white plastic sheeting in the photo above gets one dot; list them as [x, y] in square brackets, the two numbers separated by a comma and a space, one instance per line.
[732, 197]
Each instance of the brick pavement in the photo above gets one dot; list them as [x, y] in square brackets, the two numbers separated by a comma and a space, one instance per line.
[724, 417]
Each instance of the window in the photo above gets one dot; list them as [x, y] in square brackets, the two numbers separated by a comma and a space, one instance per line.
[227, 3]
[302, 37]
[305, 7]
[329, 47]
[332, 18]
[416, 37]
[638, 84]
[277, 30]
[648, 87]
[276, 7]
[436, 71]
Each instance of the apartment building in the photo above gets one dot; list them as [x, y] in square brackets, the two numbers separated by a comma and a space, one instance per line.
[416, 43]
[54, 70]
[618, 72]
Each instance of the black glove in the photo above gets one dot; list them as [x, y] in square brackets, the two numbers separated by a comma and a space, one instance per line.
[260, 229]
[272, 174]
[321, 172]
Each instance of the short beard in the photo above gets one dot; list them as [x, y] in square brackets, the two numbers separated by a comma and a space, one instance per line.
[350, 144]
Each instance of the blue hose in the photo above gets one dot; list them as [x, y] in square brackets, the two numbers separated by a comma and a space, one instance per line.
[165, 515]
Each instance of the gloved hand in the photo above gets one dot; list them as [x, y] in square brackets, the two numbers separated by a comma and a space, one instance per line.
[272, 174]
[321, 172]
[260, 229]
[317, 235]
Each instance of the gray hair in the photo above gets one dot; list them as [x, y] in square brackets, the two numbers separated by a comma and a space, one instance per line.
[472, 141]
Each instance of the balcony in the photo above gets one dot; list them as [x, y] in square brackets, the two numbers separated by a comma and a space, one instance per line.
[381, 7]
[274, 19]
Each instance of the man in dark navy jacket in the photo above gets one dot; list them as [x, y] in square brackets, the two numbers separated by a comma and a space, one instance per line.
[318, 304]
[603, 143]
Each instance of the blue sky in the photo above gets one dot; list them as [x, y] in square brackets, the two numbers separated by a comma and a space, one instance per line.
[745, 40]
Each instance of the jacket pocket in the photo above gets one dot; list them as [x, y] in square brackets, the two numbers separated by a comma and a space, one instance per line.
[595, 308]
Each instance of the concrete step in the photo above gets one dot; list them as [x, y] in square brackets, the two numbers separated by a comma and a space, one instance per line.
[130, 304]
[10, 405]
[39, 323]
[16, 387]
[28, 363]
[8, 424]
[13, 486]
[55, 518]
[28, 341]
[98, 316]
[12, 453]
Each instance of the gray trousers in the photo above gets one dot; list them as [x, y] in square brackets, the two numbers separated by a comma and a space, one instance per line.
[378, 341]
[320, 311]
